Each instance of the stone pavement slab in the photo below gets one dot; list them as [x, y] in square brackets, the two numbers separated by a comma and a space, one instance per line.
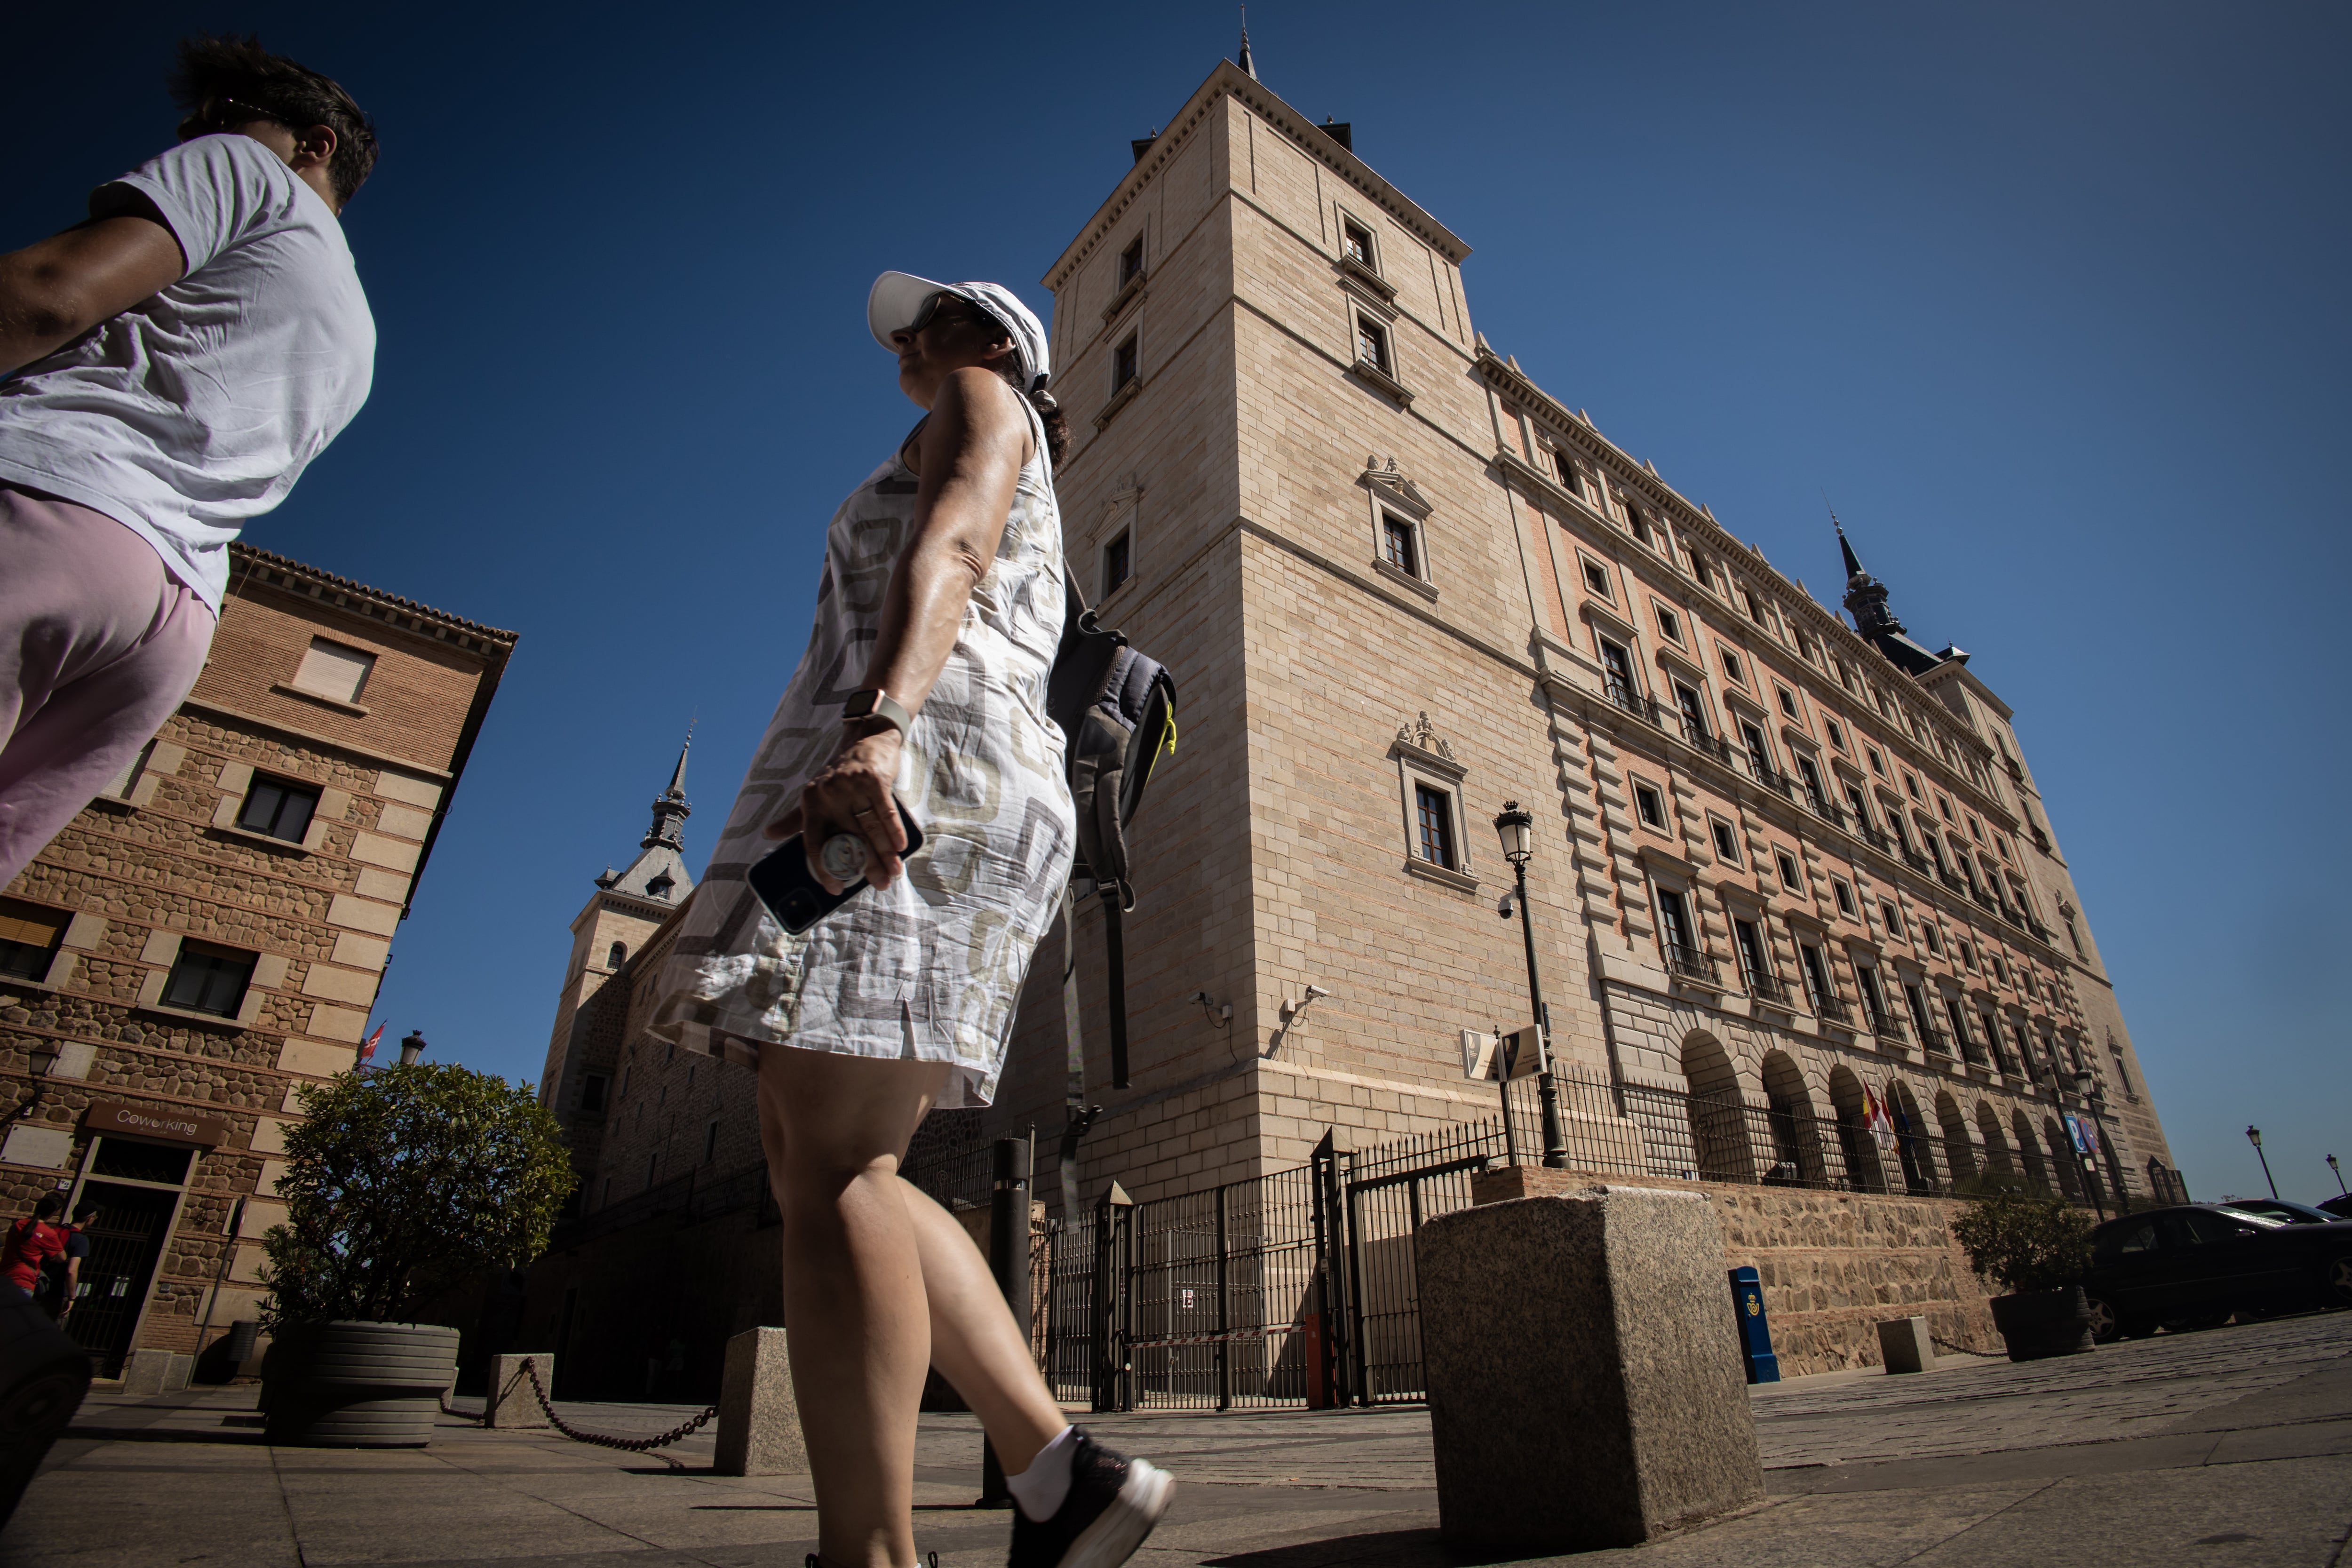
[2232, 1447]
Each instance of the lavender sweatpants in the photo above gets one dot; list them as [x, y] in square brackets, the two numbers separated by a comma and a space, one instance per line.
[97, 646]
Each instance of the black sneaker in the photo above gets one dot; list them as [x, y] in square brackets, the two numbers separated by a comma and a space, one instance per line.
[1114, 1501]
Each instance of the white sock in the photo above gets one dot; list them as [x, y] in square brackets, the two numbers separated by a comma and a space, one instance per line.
[1041, 1490]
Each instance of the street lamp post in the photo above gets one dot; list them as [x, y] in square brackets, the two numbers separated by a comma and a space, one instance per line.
[2255, 1136]
[2337, 1172]
[1516, 829]
[411, 1047]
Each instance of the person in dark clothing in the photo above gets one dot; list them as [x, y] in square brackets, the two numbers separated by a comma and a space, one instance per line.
[61, 1275]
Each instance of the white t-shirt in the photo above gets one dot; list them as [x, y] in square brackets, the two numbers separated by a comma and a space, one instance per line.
[199, 408]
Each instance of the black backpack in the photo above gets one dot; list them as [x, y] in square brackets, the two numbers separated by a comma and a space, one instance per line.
[1116, 709]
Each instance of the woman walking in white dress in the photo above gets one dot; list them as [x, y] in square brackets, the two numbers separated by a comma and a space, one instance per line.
[937, 621]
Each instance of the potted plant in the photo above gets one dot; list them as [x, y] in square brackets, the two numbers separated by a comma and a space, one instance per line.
[400, 1183]
[2037, 1249]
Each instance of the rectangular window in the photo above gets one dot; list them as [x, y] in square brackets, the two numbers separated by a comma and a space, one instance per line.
[1694, 713]
[1570, 479]
[1837, 736]
[1674, 925]
[1935, 942]
[278, 809]
[333, 671]
[1372, 344]
[1130, 262]
[1114, 563]
[1433, 809]
[1787, 865]
[1669, 623]
[1892, 917]
[592, 1093]
[1397, 544]
[1596, 578]
[1726, 844]
[1619, 668]
[1356, 242]
[1646, 802]
[1731, 666]
[1638, 521]
[1918, 1002]
[1876, 765]
[1911, 783]
[1865, 980]
[1844, 897]
[1861, 810]
[1817, 977]
[29, 935]
[1704, 570]
[1752, 965]
[1754, 610]
[1812, 777]
[1126, 362]
[1968, 953]
[209, 979]
[1788, 700]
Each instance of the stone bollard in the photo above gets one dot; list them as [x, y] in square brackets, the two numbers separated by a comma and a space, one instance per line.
[146, 1373]
[759, 1419]
[1903, 1345]
[1584, 1387]
[510, 1403]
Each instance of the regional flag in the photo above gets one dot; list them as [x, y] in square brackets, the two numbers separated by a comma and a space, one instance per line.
[368, 1049]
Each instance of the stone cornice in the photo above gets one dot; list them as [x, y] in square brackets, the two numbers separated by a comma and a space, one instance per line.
[1229, 80]
[264, 566]
[1687, 518]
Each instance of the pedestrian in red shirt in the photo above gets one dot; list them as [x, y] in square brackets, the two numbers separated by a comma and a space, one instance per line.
[31, 1241]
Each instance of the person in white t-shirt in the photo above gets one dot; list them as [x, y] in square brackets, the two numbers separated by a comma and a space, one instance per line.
[171, 365]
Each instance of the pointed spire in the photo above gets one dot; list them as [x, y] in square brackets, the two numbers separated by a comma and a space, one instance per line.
[670, 810]
[1248, 67]
[1853, 565]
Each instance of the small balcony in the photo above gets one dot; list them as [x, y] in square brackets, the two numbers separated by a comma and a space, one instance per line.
[1834, 1010]
[1887, 1027]
[1621, 693]
[1932, 1036]
[1874, 839]
[1688, 964]
[1764, 988]
[1917, 861]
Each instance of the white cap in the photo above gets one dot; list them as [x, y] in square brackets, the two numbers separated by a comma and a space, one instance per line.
[898, 299]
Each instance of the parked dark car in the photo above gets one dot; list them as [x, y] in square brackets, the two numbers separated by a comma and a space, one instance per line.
[2340, 1206]
[2193, 1266]
[2281, 1210]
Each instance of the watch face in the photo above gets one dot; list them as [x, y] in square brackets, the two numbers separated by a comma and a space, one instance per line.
[860, 704]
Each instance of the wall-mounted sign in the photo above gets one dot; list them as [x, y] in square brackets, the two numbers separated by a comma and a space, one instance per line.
[169, 1124]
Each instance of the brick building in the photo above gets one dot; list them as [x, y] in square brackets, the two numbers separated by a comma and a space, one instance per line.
[211, 932]
[1783, 858]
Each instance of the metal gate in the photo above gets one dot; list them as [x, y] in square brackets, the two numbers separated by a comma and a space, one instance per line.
[1390, 1194]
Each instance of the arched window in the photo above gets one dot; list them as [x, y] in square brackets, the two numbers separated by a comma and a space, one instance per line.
[618, 956]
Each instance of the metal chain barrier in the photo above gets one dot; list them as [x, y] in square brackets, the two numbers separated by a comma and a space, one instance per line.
[625, 1445]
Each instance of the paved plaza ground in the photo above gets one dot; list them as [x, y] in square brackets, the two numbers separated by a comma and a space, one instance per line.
[2232, 1447]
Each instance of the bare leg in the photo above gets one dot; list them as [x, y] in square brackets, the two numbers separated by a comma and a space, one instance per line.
[835, 1128]
[975, 1343]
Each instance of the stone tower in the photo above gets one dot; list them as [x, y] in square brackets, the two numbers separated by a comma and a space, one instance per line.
[1402, 584]
[627, 907]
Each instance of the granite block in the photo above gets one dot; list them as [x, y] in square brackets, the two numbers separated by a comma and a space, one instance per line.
[511, 1403]
[1903, 1345]
[1585, 1388]
[759, 1419]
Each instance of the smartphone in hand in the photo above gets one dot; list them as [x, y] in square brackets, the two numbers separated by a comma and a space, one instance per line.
[791, 891]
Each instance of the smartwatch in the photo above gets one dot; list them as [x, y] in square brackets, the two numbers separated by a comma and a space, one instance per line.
[875, 703]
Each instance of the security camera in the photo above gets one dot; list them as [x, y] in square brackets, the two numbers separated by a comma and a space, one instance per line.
[1315, 991]
[1503, 909]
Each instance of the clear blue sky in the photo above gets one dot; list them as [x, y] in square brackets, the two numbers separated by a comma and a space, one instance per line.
[2050, 299]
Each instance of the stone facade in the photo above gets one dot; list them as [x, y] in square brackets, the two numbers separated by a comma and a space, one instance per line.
[1832, 1265]
[317, 688]
[1401, 585]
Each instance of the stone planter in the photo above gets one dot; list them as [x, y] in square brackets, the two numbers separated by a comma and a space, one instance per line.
[356, 1386]
[2042, 1323]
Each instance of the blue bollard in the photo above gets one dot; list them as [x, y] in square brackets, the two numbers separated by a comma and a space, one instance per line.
[1755, 1332]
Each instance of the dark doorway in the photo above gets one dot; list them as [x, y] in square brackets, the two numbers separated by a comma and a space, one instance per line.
[124, 1245]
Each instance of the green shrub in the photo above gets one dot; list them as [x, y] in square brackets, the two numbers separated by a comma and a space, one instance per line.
[403, 1182]
[2025, 1243]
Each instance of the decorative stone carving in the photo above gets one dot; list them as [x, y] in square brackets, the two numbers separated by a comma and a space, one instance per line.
[1422, 736]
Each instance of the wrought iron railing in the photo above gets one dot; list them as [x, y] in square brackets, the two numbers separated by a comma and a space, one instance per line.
[1691, 965]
